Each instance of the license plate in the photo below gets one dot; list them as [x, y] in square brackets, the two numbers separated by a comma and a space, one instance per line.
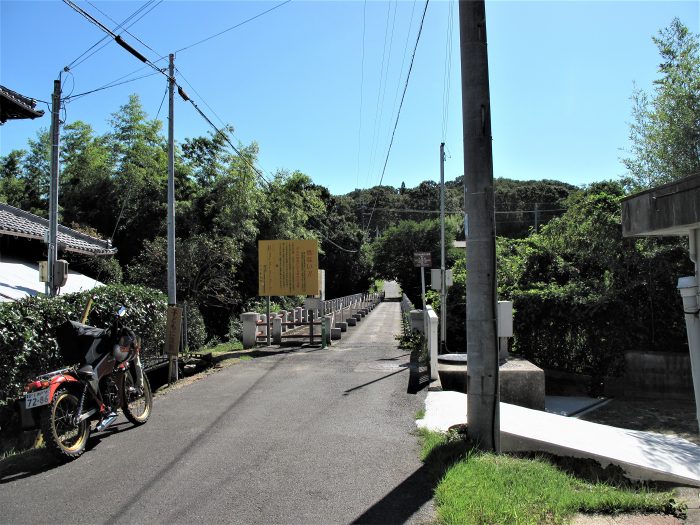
[37, 399]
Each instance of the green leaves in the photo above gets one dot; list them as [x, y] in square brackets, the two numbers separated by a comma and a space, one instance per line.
[27, 329]
[665, 131]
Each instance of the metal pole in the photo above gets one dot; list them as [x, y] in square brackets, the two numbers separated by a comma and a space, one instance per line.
[172, 294]
[269, 325]
[422, 295]
[482, 398]
[53, 187]
[443, 287]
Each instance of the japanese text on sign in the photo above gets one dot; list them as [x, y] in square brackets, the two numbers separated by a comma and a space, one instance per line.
[287, 267]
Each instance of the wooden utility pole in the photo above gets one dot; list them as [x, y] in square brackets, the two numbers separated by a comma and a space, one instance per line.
[53, 186]
[172, 294]
[482, 347]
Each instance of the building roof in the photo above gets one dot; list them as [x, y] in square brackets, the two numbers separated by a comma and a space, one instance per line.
[15, 106]
[671, 209]
[20, 223]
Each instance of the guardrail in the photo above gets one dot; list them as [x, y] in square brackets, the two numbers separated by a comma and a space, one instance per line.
[333, 317]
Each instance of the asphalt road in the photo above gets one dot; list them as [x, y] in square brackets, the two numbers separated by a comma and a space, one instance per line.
[307, 436]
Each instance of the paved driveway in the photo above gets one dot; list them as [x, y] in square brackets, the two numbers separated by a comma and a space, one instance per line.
[308, 436]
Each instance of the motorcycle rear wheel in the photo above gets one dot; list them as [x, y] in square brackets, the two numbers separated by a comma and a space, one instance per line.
[62, 436]
[137, 408]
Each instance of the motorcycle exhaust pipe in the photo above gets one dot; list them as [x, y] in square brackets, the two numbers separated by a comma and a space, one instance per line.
[105, 423]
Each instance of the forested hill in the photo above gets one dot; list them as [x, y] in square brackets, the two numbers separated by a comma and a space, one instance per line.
[521, 206]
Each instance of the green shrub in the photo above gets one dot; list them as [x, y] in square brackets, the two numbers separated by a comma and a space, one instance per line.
[196, 330]
[27, 328]
[235, 329]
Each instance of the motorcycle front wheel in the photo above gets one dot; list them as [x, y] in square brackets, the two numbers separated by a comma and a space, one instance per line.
[63, 437]
[137, 406]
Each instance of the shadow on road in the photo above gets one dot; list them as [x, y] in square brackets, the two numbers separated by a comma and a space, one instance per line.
[41, 460]
[350, 390]
[415, 491]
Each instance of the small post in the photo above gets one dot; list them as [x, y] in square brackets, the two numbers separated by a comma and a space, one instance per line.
[422, 295]
[311, 326]
[268, 322]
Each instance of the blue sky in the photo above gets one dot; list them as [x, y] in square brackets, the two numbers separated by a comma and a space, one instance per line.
[294, 80]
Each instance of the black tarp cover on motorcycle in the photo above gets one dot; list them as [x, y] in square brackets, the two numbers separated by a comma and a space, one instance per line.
[80, 343]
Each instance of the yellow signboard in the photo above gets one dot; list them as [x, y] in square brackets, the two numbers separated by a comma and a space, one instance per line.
[287, 267]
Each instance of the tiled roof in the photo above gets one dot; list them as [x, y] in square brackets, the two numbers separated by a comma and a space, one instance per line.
[15, 106]
[14, 221]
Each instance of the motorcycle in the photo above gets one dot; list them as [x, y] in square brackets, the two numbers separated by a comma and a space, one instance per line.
[65, 403]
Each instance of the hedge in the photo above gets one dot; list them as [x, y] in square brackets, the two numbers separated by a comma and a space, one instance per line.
[27, 329]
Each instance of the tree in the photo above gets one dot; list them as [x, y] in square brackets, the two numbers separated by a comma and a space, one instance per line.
[665, 131]
[12, 187]
[584, 295]
[139, 155]
[86, 177]
[392, 252]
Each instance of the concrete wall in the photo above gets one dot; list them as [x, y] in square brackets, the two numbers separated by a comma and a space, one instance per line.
[647, 375]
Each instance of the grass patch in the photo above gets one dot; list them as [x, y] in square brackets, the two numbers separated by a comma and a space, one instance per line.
[483, 488]
[232, 346]
[246, 357]
[420, 414]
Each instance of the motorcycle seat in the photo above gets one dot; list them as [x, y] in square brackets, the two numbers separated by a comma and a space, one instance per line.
[86, 372]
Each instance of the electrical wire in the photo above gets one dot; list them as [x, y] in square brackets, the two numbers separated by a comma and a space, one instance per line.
[125, 30]
[110, 85]
[375, 126]
[116, 37]
[106, 40]
[179, 72]
[398, 114]
[448, 73]
[233, 27]
[362, 87]
[161, 102]
[225, 137]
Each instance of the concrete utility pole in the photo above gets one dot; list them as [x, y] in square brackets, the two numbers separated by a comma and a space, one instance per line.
[443, 284]
[172, 294]
[53, 187]
[482, 346]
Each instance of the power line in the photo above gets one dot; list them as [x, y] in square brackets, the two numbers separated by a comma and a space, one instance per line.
[375, 126]
[217, 116]
[118, 39]
[125, 30]
[448, 73]
[224, 136]
[110, 85]
[105, 40]
[362, 87]
[398, 114]
[234, 26]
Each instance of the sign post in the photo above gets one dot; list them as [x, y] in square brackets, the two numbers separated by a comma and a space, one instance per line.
[173, 335]
[287, 267]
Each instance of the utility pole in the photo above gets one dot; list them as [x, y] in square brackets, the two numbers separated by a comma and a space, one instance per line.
[443, 284]
[172, 294]
[53, 186]
[482, 398]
